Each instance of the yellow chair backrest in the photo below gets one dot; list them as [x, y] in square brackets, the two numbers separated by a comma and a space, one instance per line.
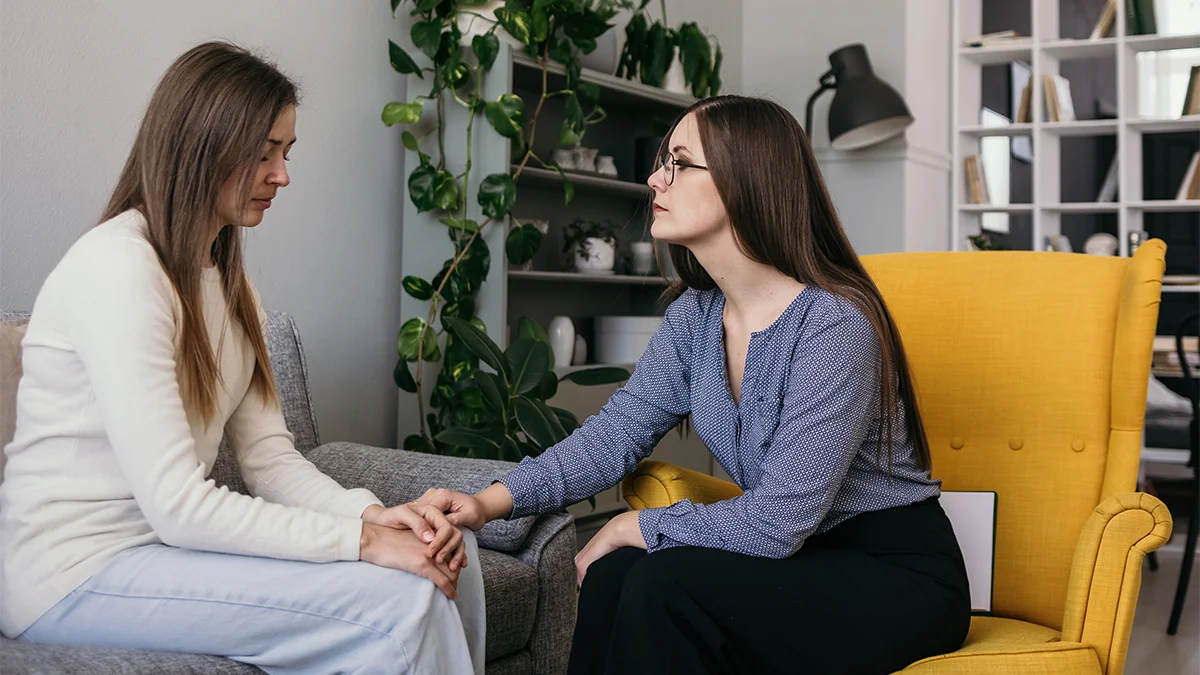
[1031, 372]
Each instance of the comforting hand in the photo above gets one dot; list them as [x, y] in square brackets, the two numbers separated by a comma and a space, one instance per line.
[429, 524]
[621, 531]
[461, 509]
[402, 550]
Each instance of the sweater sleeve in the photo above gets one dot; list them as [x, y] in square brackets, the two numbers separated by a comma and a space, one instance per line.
[609, 444]
[122, 326]
[273, 468]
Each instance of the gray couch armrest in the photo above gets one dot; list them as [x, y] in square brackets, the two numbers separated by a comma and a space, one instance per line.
[550, 549]
[398, 476]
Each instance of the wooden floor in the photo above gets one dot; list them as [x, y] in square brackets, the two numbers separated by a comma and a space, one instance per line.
[1151, 650]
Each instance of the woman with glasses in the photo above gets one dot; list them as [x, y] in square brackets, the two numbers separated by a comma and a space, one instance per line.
[837, 557]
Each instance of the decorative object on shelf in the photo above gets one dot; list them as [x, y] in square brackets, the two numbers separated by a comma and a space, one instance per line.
[559, 31]
[1136, 238]
[591, 245]
[1058, 243]
[1101, 243]
[605, 166]
[581, 351]
[562, 340]
[605, 56]
[506, 416]
[542, 226]
[987, 241]
[564, 158]
[642, 258]
[622, 339]
[865, 109]
[576, 158]
[650, 54]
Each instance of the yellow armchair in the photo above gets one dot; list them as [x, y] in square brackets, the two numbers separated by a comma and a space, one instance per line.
[1031, 370]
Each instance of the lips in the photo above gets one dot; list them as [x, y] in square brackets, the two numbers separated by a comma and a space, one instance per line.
[658, 208]
[262, 203]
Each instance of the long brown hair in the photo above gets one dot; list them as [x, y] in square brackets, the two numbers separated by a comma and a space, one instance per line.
[206, 123]
[782, 216]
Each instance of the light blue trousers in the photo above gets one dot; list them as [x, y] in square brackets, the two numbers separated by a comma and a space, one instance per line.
[280, 615]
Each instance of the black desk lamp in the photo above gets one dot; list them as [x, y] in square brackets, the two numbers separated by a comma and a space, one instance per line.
[865, 109]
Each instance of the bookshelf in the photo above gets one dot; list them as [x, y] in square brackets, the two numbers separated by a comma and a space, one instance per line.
[1044, 50]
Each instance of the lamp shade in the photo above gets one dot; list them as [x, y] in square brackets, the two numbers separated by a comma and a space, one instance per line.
[865, 109]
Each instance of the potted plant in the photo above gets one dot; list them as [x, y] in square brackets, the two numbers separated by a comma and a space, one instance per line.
[591, 245]
[650, 54]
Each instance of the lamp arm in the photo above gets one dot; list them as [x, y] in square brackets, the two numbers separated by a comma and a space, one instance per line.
[827, 82]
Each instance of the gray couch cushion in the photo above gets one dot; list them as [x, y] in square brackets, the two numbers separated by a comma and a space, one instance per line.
[511, 589]
[24, 658]
[397, 476]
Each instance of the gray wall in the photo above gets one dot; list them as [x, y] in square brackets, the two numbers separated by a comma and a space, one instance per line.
[74, 79]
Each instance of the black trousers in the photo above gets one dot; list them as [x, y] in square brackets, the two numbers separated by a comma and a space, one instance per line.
[872, 595]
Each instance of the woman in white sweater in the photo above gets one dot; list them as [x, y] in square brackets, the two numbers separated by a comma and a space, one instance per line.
[145, 347]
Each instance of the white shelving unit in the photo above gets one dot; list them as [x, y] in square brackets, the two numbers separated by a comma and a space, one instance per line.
[1044, 50]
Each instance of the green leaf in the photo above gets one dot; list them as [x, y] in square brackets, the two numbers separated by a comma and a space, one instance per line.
[539, 25]
[529, 361]
[402, 113]
[509, 451]
[469, 438]
[588, 91]
[573, 121]
[533, 422]
[516, 22]
[410, 334]
[566, 418]
[410, 141]
[497, 194]
[464, 225]
[474, 266]
[395, 4]
[426, 5]
[421, 186]
[714, 80]
[486, 47]
[567, 135]
[568, 190]
[660, 52]
[595, 376]
[528, 328]
[418, 443]
[402, 62]
[549, 388]
[522, 244]
[445, 194]
[555, 424]
[427, 36]
[542, 4]
[480, 344]
[505, 114]
[495, 392]
[417, 287]
[403, 377]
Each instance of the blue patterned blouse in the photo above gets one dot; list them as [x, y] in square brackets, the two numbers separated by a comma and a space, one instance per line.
[801, 443]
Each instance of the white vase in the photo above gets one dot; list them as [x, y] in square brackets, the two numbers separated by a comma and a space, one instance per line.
[600, 258]
[605, 56]
[674, 81]
[562, 340]
[643, 257]
[580, 356]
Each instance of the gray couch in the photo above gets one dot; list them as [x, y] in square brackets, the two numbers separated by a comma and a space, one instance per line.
[528, 564]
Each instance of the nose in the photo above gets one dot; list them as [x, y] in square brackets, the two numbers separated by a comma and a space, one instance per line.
[279, 174]
[656, 181]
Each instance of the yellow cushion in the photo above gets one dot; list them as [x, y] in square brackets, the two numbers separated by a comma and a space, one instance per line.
[996, 645]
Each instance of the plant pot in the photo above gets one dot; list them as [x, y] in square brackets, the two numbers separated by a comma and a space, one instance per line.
[605, 57]
[598, 256]
[675, 82]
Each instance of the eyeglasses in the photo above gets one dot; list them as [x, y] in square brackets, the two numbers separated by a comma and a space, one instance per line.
[668, 167]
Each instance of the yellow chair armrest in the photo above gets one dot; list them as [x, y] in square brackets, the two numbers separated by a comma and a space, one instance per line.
[654, 484]
[1107, 573]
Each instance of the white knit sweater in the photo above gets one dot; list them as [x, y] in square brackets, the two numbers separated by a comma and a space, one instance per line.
[105, 456]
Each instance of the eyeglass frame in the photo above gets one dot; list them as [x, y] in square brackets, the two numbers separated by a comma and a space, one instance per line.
[673, 162]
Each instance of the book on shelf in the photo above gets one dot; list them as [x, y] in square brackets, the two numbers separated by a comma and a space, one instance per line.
[1139, 17]
[1108, 19]
[1191, 98]
[997, 38]
[1023, 111]
[1189, 187]
[977, 192]
[1058, 105]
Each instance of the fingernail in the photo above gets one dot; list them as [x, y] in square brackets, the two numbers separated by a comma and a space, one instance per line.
[428, 536]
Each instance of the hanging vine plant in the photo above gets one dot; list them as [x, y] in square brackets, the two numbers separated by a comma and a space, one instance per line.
[501, 414]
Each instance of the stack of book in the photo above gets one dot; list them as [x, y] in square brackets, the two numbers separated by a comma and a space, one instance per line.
[977, 191]
[1189, 188]
[998, 38]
